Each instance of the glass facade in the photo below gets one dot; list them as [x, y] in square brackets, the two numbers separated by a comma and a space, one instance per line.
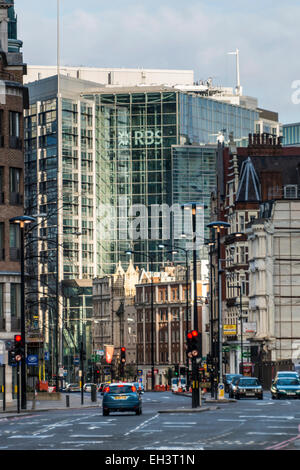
[291, 134]
[63, 189]
[201, 119]
[135, 134]
[142, 182]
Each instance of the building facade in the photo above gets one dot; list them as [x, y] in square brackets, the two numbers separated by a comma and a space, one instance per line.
[13, 100]
[255, 178]
[114, 317]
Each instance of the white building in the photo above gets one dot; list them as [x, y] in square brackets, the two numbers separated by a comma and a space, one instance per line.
[274, 281]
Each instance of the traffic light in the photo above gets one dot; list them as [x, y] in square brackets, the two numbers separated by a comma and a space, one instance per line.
[19, 349]
[12, 357]
[176, 372]
[123, 355]
[193, 344]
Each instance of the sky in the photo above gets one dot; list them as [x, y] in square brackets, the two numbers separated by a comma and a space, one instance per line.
[175, 34]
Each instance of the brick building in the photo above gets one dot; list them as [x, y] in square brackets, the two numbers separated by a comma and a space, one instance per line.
[13, 99]
[252, 183]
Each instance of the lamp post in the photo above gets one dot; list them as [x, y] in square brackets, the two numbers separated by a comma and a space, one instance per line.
[195, 389]
[22, 221]
[131, 252]
[218, 225]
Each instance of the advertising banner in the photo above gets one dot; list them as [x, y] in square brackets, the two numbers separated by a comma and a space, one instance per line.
[109, 352]
[229, 330]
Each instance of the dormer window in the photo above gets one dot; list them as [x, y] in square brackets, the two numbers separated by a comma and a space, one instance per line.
[290, 191]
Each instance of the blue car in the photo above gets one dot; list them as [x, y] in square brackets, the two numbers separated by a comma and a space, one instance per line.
[285, 387]
[121, 397]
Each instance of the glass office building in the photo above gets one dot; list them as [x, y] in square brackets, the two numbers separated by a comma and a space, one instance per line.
[291, 134]
[60, 188]
[137, 134]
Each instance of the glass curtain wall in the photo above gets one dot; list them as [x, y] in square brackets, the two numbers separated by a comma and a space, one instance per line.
[135, 135]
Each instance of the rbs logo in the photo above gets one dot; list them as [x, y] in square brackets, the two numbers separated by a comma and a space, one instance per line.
[140, 138]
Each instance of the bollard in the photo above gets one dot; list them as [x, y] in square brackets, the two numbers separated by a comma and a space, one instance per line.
[94, 393]
[68, 401]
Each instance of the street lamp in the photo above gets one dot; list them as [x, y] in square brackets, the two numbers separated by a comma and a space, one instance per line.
[22, 221]
[218, 225]
[131, 252]
[193, 206]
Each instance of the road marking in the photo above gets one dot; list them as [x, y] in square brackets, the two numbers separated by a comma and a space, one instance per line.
[267, 417]
[269, 433]
[91, 435]
[83, 442]
[31, 437]
[142, 425]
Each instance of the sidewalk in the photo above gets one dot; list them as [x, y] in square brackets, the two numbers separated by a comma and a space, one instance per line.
[46, 405]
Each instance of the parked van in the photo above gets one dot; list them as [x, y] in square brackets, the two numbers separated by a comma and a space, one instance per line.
[178, 382]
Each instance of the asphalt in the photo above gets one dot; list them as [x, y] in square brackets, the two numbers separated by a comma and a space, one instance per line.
[68, 401]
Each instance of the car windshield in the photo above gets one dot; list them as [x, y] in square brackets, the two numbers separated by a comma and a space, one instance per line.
[182, 381]
[229, 377]
[286, 374]
[288, 382]
[116, 389]
[235, 379]
[246, 382]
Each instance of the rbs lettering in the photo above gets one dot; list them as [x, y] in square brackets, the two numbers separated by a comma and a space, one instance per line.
[140, 138]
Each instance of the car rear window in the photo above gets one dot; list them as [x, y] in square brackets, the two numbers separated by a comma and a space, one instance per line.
[116, 389]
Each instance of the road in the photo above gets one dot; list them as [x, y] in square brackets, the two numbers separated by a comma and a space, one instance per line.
[243, 425]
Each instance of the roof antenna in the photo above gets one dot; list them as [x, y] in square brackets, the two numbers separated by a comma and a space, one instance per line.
[238, 88]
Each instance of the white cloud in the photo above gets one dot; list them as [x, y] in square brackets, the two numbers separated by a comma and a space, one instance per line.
[194, 36]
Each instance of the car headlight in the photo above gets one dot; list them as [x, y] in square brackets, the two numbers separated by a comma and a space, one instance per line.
[281, 391]
[242, 390]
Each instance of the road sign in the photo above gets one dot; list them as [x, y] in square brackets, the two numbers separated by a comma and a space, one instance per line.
[140, 372]
[32, 360]
[221, 391]
[47, 356]
[76, 361]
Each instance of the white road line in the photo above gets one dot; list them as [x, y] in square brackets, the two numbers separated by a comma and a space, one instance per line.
[91, 435]
[31, 437]
[142, 425]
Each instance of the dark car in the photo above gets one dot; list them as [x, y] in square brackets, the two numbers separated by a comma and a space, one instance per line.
[232, 384]
[121, 397]
[285, 387]
[228, 379]
[248, 387]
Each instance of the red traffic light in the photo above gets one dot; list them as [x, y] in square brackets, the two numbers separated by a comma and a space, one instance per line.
[18, 338]
[189, 335]
[194, 333]
[123, 349]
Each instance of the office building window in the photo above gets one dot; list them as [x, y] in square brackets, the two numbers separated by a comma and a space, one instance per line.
[2, 316]
[15, 186]
[14, 130]
[1, 184]
[2, 252]
[14, 242]
[15, 305]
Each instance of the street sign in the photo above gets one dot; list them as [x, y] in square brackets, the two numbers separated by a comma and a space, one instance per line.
[76, 361]
[47, 356]
[140, 372]
[32, 360]
[221, 391]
